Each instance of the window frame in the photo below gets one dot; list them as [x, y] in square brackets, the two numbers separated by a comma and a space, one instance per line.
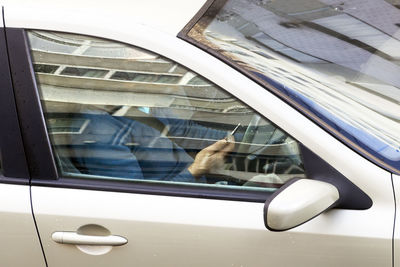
[39, 152]
[14, 165]
[42, 163]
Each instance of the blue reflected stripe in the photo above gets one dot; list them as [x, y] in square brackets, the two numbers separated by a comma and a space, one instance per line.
[366, 141]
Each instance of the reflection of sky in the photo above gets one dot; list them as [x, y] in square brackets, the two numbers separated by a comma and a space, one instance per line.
[363, 114]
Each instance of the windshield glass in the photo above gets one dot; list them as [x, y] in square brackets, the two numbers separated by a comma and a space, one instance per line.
[338, 59]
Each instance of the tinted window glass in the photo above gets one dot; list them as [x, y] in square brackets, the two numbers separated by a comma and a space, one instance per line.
[118, 112]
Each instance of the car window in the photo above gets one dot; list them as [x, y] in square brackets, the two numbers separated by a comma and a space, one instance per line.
[115, 111]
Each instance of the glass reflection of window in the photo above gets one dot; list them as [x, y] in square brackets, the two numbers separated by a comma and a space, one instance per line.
[88, 92]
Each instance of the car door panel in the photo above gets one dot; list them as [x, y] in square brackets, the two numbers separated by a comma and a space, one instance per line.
[176, 230]
[20, 244]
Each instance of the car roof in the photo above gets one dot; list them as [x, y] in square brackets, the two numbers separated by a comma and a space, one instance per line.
[167, 16]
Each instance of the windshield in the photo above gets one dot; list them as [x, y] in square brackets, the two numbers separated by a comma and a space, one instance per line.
[338, 59]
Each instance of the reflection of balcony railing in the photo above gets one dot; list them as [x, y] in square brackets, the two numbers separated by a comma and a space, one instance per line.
[108, 84]
[101, 86]
[155, 65]
[86, 70]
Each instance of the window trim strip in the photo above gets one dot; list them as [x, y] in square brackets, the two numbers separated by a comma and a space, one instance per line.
[13, 163]
[36, 141]
[141, 187]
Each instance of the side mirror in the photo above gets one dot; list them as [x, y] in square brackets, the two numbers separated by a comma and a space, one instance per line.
[298, 202]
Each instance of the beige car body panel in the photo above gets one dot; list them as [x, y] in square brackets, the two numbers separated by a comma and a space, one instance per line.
[20, 244]
[176, 231]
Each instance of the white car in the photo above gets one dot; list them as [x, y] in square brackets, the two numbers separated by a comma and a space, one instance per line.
[200, 133]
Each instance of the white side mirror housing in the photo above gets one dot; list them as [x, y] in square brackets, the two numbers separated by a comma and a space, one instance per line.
[298, 202]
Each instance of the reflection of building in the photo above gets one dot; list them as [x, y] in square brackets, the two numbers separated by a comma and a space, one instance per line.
[98, 72]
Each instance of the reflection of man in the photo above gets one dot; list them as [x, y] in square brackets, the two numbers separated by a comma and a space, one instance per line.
[211, 157]
[125, 148]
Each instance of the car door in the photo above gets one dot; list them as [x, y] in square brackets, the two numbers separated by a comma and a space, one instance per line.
[88, 208]
[18, 232]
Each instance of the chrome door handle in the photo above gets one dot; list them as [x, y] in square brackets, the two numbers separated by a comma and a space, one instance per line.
[78, 239]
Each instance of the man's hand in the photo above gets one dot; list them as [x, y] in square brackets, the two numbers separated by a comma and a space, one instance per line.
[211, 157]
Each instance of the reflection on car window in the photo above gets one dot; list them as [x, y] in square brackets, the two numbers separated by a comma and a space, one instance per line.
[339, 60]
[118, 112]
